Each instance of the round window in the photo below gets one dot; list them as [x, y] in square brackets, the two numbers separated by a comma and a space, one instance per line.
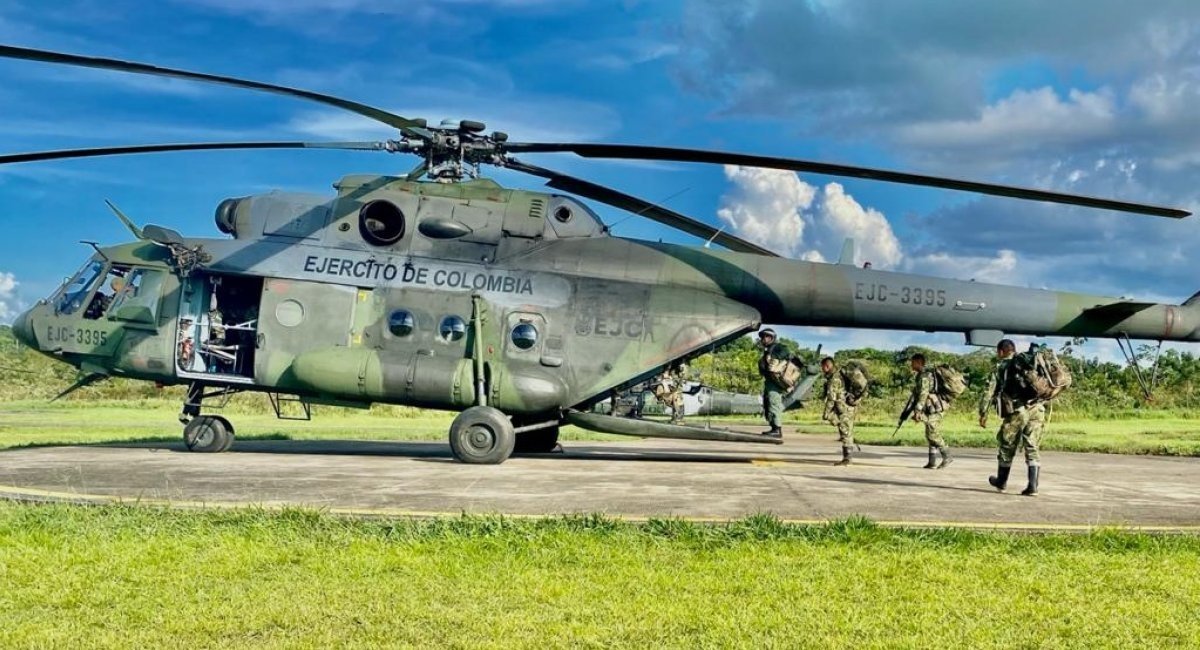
[452, 329]
[381, 223]
[524, 336]
[563, 214]
[401, 323]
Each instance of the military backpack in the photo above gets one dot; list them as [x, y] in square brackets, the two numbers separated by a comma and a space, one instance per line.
[856, 380]
[948, 382]
[784, 372]
[1040, 374]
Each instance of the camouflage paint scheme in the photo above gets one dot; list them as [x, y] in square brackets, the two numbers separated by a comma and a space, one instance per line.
[609, 312]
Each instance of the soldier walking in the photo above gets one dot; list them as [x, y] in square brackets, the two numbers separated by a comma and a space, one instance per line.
[1022, 420]
[928, 407]
[839, 409]
[675, 376]
[773, 390]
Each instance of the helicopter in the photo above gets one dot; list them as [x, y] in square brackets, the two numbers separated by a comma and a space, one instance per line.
[518, 309]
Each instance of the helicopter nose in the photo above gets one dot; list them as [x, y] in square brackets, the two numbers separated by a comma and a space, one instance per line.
[23, 331]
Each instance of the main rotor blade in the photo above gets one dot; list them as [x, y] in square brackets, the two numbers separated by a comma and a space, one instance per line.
[194, 146]
[639, 152]
[640, 207]
[409, 127]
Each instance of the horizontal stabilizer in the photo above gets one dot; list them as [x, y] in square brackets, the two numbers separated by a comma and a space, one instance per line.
[651, 429]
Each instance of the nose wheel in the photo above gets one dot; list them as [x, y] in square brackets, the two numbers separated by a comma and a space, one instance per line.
[482, 435]
[209, 434]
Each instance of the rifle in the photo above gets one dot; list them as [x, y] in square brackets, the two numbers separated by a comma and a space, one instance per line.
[905, 414]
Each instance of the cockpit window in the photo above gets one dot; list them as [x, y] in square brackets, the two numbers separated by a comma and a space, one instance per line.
[106, 292]
[137, 296]
[73, 294]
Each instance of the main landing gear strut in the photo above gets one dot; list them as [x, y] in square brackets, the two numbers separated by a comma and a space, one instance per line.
[209, 434]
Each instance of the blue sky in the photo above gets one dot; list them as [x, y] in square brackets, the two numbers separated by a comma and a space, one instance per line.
[1094, 97]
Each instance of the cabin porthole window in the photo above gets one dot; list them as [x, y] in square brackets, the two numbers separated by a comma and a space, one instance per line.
[524, 336]
[401, 323]
[453, 328]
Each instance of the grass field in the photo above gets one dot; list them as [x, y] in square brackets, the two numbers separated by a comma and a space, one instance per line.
[41, 423]
[139, 577]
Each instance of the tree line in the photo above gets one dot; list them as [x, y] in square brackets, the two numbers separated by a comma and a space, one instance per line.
[1100, 388]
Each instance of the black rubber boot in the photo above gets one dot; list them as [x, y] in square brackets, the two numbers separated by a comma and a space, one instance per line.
[946, 458]
[1031, 489]
[773, 432]
[1000, 481]
[846, 455]
[932, 459]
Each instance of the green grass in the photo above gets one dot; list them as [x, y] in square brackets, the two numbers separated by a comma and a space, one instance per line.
[40, 423]
[138, 577]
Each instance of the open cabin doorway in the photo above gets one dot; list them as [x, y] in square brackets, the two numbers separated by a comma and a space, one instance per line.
[218, 327]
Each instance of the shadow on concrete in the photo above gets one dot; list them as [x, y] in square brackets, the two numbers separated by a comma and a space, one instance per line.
[907, 484]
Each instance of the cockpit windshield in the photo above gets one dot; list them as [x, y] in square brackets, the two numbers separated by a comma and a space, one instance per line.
[72, 295]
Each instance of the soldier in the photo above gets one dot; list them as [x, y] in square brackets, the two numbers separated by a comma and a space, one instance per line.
[1022, 425]
[928, 407]
[773, 391]
[673, 377]
[838, 411]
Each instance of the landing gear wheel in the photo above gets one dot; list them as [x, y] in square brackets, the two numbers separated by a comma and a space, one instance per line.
[538, 441]
[228, 427]
[207, 434]
[482, 435]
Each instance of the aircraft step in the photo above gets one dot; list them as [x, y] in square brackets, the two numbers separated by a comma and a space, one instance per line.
[651, 429]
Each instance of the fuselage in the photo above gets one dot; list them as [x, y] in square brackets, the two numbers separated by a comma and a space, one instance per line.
[484, 295]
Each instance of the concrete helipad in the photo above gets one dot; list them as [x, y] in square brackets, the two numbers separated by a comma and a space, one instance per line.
[640, 478]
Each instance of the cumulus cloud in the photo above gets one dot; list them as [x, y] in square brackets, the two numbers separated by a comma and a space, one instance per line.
[1093, 98]
[765, 206]
[780, 211]
[8, 297]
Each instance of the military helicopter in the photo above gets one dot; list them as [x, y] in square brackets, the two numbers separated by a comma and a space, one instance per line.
[441, 289]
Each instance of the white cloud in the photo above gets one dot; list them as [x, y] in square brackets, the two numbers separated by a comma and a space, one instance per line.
[625, 53]
[1025, 119]
[840, 216]
[765, 207]
[9, 307]
[1001, 269]
[780, 211]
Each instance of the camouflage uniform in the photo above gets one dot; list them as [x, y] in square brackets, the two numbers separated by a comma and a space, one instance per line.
[773, 392]
[930, 406]
[674, 399]
[837, 411]
[1020, 429]
[1022, 425]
